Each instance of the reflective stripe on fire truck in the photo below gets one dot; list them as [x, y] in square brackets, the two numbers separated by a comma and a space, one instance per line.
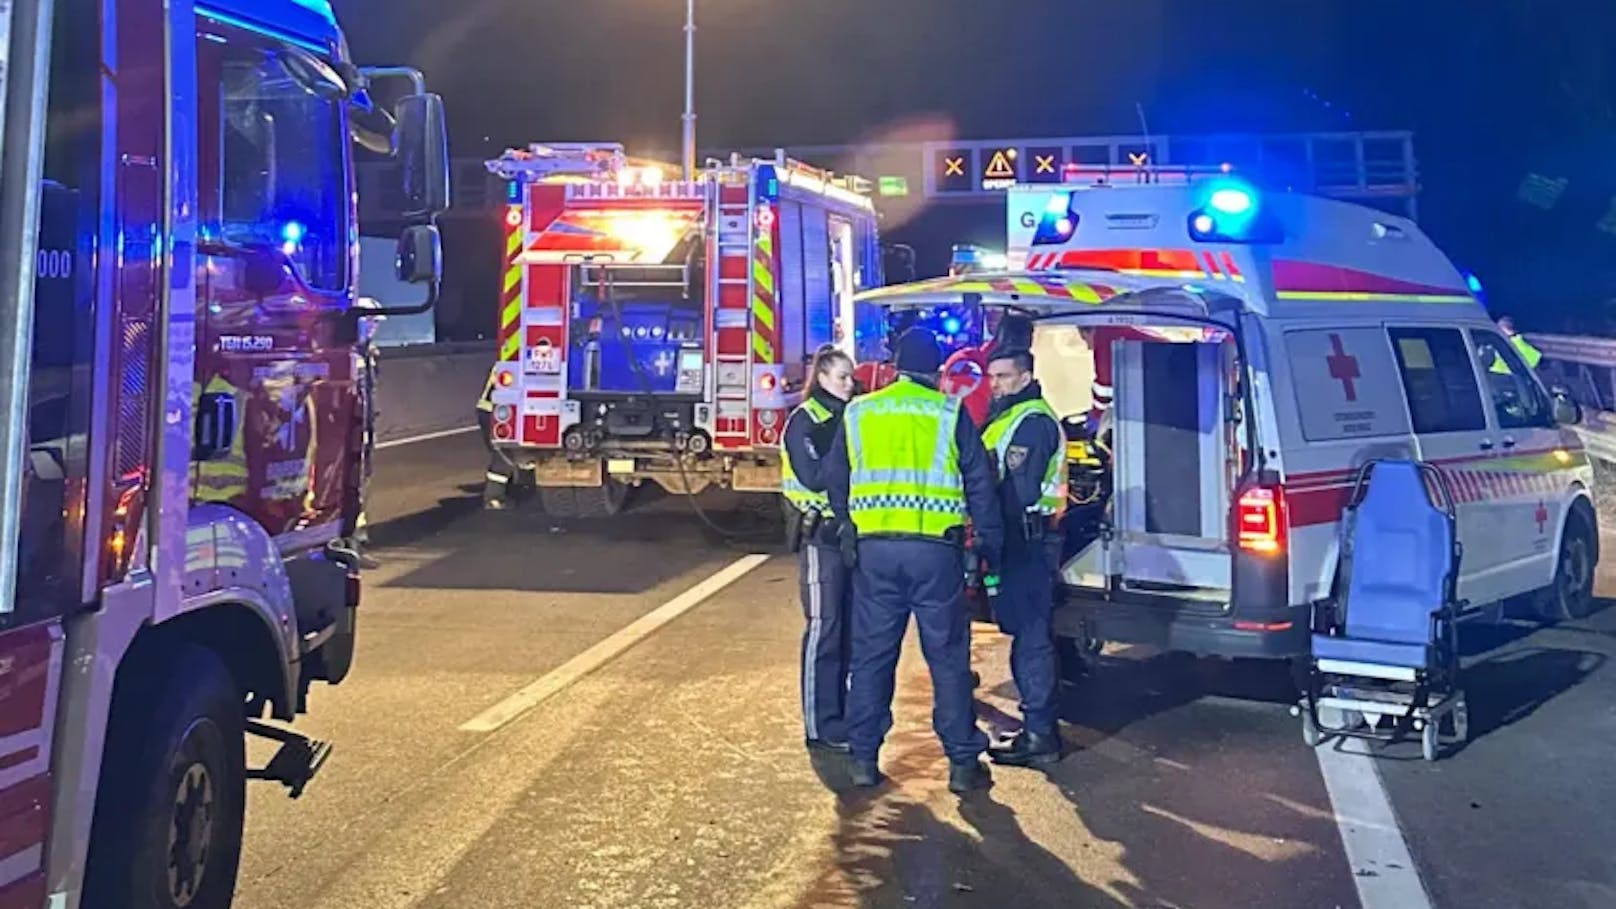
[763, 295]
[510, 300]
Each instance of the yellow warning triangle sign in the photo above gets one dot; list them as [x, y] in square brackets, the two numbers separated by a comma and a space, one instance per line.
[1000, 168]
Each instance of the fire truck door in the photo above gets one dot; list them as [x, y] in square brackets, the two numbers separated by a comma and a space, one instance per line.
[273, 339]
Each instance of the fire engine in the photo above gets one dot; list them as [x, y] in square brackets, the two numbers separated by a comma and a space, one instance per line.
[658, 330]
[183, 441]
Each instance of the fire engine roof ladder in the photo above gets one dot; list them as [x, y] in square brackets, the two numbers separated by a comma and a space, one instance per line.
[554, 159]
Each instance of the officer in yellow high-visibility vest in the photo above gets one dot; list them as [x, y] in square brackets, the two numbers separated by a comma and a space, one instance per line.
[497, 476]
[826, 583]
[1024, 438]
[907, 468]
[1529, 355]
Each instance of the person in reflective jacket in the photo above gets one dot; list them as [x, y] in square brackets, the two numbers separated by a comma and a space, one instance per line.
[825, 583]
[906, 468]
[1024, 438]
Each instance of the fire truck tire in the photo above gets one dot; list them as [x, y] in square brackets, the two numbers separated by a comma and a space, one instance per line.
[603, 501]
[168, 822]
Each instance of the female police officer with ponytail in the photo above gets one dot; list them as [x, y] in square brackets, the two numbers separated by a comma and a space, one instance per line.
[825, 582]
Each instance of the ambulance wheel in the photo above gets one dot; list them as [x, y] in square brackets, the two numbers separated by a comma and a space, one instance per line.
[1571, 596]
[1430, 744]
[1311, 737]
[167, 828]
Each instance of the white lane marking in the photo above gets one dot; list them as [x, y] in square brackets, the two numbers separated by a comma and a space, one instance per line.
[427, 437]
[1378, 856]
[535, 693]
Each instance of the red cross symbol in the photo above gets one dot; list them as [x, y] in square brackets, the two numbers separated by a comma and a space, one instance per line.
[1343, 367]
[1541, 516]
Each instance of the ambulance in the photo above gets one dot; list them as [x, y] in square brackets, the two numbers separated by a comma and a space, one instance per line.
[1262, 347]
[657, 330]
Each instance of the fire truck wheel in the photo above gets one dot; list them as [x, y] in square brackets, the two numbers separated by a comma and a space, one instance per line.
[603, 501]
[167, 829]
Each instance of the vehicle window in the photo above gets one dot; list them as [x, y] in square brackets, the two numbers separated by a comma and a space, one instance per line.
[1439, 380]
[1518, 400]
[1345, 384]
[282, 160]
[50, 539]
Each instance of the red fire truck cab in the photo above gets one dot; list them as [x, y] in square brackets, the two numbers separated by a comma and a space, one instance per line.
[655, 329]
[183, 440]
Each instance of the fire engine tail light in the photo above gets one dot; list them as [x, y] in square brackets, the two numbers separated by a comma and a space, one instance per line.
[764, 217]
[767, 382]
[1260, 520]
[505, 379]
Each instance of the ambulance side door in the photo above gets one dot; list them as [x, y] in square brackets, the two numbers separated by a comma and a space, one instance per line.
[1528, 497]
[1451, 429]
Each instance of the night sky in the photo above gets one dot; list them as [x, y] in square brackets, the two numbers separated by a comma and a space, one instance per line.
[1494, 89]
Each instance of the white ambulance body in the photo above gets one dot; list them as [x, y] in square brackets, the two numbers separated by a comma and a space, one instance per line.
[1263, 348]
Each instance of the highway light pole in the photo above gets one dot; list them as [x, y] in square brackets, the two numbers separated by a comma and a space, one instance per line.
[690, 90]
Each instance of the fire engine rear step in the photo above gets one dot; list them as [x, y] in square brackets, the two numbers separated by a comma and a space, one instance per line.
[295, 763]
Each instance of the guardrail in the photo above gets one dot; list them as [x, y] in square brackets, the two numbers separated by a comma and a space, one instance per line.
[427, 388]
[1586, 367]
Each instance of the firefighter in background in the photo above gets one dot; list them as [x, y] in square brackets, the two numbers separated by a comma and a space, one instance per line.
[1025, 439]
[906, 469]
[1530, 355]
[824, 581]
[500, 471]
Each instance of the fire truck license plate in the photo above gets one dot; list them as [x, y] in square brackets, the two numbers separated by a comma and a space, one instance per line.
[542, 358]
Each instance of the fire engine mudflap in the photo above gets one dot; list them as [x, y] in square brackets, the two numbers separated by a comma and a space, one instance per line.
[1154, 543]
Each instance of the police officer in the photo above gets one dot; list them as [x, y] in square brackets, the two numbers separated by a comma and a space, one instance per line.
[825, 582]
[497, 476]
[906, 468]
[1025, 439]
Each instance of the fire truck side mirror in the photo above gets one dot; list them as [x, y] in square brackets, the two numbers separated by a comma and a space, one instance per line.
[423, 154]
[420, 255]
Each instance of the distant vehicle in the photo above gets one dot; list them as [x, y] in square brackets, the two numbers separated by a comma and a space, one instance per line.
[657, 330]
[1262, 348]
[191, 425]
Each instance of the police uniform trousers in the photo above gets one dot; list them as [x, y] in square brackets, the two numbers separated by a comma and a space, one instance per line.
[897, 578]
[1025, 609]
[827, 591]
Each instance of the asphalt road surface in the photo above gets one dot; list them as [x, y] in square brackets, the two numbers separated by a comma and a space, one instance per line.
[606, 715]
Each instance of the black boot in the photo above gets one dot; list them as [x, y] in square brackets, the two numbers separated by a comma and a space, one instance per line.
[865, 774]
[1028, 749]
[968, 776]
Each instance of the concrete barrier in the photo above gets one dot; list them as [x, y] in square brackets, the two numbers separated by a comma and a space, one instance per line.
[429, 388]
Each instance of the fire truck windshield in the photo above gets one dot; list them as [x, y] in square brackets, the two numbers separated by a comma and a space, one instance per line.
[284, 177]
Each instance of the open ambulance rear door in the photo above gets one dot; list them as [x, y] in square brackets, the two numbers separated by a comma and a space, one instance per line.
[1181, 436]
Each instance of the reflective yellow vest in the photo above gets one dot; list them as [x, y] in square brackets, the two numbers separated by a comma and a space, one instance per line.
[997, 436]
[223, 478]
[905, 463]
[797, 494]
[1530, 355]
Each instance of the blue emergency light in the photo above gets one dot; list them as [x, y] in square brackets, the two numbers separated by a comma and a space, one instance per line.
[1231, 212]
[1059, 220]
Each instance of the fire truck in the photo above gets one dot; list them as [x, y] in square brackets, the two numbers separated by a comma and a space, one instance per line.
[658, 330]
[183, 434]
